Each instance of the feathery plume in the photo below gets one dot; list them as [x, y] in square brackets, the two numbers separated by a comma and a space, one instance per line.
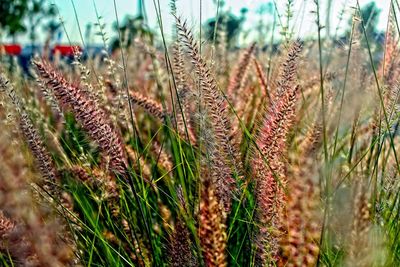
[149, 105]
[14, 243]
[34, 227]
[236, 94]
[299, 246]
[92, 118]
[224, 156]
[390, 63]
[211, 227]
[359, 246]
[182, 107]
[6, 225]
[238, 75]
[43, 160]
[180, 244]
[270, 180]
[262, 80]
[179, 247]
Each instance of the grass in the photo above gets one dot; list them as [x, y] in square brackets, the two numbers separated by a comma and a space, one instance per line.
[162, 155]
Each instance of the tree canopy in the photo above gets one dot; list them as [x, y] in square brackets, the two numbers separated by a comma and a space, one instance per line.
[19, 16]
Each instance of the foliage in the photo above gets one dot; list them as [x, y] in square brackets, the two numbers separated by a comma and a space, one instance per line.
[230, 24]
[193, 155]
[23, 15]
[131, 27]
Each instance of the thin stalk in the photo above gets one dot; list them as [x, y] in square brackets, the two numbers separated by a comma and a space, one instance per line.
[379, 89]
[344, 87]
[325, 145]
[136, 132]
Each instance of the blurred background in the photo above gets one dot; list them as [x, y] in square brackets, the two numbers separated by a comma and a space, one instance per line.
[29, 27]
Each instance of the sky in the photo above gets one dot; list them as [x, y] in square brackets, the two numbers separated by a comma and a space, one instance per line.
[190, 9]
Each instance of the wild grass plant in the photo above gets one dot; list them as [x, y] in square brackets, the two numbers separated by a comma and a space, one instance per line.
[190, 155]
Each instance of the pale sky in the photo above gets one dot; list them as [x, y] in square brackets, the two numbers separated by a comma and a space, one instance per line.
[188, 9]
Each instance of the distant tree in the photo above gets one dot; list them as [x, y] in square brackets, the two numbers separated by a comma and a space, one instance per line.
[20, 16]
[265, 22]
[228, 22]
[12, 14]
[38, 10]
[52, 27]
[131, 27]
[370, 16]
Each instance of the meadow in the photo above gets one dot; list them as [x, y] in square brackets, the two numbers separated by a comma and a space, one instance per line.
[195, 153]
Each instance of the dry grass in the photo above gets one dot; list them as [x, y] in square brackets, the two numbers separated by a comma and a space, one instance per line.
[235, 162]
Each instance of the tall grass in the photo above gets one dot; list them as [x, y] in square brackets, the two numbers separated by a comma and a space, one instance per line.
[191, 155]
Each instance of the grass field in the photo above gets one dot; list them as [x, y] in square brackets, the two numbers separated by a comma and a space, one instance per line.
[190, 152]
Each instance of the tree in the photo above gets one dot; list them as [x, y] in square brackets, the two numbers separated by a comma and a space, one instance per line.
[37, 11]
[20, 16]
[131, 27]
[231, 24]
[52, 27]
[369, 14]
[12, 14]
[266, 22]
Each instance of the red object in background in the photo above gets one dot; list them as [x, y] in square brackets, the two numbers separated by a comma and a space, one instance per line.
[66, 50]
[12, 49]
